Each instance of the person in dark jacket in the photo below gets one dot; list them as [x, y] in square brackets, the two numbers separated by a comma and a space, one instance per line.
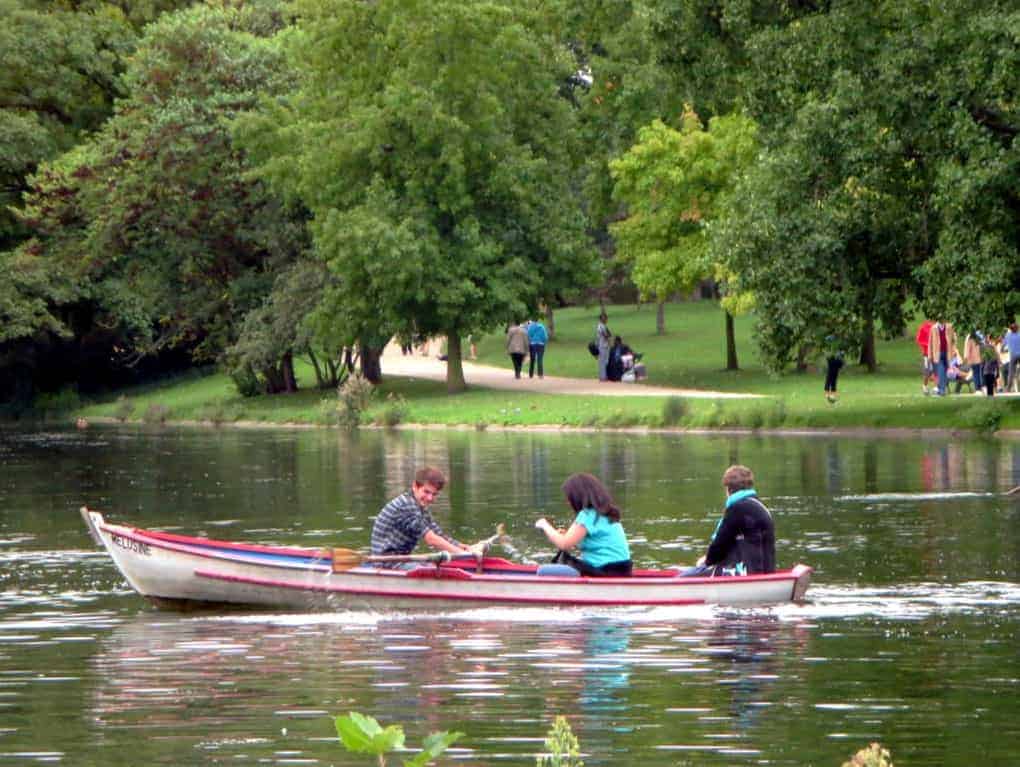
[744, 541]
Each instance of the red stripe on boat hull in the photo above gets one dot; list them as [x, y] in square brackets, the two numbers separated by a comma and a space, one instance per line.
[357, 591]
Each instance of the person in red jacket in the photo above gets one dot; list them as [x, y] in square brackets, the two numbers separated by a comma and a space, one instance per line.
[927, 370]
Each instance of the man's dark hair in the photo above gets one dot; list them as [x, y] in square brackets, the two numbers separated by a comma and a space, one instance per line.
[430, 475]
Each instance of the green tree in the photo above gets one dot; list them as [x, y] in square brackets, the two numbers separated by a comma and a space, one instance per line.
[889, 172]
[674, 183]
[432, 144]
[154, 216]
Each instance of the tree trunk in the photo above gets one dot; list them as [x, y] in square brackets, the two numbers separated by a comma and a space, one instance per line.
[287, 369]
[660, 318]
[731, 344]
[550, 322]
[802, 355]
[868, 357]
[320, 376]
[454, 368]
[371, 365]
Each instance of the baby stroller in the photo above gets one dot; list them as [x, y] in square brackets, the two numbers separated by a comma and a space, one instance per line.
[633, 368]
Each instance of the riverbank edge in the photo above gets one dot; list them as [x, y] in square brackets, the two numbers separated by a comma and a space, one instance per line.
[898, 432]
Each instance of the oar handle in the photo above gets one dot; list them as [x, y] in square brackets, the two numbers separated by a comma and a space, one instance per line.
[439, 556]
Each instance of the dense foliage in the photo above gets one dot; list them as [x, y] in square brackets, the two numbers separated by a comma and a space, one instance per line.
[243, 181]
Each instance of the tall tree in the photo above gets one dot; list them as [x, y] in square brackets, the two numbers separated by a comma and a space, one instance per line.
[432, 144]
[674, 183]
[890, 172]
[167, 240]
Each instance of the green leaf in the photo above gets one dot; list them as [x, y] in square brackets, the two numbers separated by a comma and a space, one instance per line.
[434, 745]
[362, 734]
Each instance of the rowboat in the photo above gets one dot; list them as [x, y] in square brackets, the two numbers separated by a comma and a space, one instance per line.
[177, 570]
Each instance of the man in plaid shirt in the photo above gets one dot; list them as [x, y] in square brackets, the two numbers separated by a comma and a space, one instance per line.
[406, 520]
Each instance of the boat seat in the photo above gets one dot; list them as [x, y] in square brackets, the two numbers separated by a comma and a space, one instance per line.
[563, 571]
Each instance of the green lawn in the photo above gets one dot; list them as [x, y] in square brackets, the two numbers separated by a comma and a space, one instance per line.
[691, 354]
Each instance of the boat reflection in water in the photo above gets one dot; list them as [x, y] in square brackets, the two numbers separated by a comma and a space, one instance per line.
[258, 686]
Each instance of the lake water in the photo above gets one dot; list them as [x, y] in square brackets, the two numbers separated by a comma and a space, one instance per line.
[909, 636]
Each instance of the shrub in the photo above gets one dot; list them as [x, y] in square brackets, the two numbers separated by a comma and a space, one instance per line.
[57, 402]
[156, 413]
[715, 416]
[756, 416]
[245, 381]
[395, 410]
[354, 395]
[124, 409]
[673, 411]
[776, 413]
[984, 416]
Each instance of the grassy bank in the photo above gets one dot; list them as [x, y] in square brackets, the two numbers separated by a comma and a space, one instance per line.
[690, 355]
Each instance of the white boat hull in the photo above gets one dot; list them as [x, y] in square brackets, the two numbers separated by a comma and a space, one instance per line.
[178, 569]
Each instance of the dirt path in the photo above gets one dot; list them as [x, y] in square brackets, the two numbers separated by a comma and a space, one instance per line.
[417, 366]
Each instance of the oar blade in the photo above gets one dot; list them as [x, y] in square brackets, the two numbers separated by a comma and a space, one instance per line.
[345, 559]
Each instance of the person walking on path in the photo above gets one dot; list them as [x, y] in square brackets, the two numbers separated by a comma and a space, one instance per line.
[537, 339]
[1012, 343]
[517, 347]
[941, 344]
[603, 338]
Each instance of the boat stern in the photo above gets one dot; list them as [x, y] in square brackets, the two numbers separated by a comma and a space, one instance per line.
[801, 581]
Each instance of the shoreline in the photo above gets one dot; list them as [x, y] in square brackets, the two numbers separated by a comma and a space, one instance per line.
[896, 432]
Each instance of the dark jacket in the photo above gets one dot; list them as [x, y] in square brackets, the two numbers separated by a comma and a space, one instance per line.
[745, 536]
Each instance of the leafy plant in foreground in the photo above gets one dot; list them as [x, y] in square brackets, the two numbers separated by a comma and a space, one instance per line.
[562, 746]
[362, 734]
[872, 756]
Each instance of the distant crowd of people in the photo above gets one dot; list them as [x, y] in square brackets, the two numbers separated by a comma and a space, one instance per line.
[989, 364]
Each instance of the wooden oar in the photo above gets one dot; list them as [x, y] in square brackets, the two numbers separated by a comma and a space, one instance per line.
[1014, 491]
[346, 559]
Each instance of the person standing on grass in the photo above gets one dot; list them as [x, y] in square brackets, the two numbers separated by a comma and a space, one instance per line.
[990, 364]
[972, 358]
[1012, 343]
[537, 339]
[603, 338]
[941, 343]
[517, 347]
[833, 364]
[923, 337]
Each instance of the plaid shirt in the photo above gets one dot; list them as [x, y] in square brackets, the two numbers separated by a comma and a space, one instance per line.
[401, 524]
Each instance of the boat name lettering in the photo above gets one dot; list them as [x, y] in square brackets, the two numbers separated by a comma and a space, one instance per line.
[132, 545]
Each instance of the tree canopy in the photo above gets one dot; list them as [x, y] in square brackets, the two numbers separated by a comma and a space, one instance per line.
[432, 144]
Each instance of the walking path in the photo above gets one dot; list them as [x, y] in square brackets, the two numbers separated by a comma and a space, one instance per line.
[417, 366]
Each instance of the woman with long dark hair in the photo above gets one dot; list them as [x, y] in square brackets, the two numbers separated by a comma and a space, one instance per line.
[596, 530]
